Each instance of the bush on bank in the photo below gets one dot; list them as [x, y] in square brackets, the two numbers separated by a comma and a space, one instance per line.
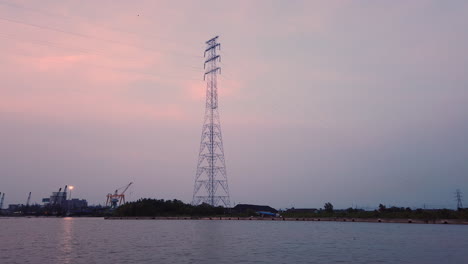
[389, 213]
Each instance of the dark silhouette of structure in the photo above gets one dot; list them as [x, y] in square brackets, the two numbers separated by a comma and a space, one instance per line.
[245, 208]
[458, 197]
[116, 199]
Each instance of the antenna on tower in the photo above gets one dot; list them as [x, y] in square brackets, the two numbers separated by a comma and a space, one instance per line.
[211, 185]
[459, 197]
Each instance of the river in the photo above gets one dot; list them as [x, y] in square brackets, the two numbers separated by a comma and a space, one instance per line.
[95, 240]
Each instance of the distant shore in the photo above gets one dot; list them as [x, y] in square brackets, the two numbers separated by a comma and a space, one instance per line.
[278, 219]
[326, 219]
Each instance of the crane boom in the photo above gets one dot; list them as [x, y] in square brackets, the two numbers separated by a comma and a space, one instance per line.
[126, 188]
[29, 199]
[57, 195]
[1, 201]
[116, 199]
[65, 193]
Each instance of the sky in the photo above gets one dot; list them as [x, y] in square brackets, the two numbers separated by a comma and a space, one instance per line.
[350, 102]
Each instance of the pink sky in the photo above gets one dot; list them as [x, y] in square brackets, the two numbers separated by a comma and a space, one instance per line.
[340, 101]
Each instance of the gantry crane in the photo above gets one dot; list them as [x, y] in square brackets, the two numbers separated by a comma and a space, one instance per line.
[117, 199]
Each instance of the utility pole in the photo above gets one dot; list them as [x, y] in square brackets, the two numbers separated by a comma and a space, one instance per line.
[458, 197]
[211, 185]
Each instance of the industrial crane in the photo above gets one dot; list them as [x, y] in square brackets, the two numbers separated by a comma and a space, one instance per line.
[54, 202]
[59, 200]
[63, 199]
[116, 199]
[29, 199]
[1, 201]
[26, 208]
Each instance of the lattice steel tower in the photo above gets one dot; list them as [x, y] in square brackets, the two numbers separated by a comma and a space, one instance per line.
[211, 185]
[459, 197]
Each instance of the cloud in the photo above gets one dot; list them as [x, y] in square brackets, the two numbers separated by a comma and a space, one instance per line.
[67, 76]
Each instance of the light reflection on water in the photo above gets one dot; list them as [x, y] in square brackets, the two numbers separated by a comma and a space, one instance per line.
[65, 240]
[93, 240]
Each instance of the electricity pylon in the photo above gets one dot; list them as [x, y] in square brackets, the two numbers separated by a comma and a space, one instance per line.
[211, 185]
[458, 197]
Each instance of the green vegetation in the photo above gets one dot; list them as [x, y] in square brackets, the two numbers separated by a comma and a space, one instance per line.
[328, 207]
[154, 207]
[383, 212]
[174, 208]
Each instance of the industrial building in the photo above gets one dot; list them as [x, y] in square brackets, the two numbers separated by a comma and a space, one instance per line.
[58, 203]
[245, 208]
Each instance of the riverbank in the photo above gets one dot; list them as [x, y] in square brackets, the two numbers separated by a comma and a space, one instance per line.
[329, 219]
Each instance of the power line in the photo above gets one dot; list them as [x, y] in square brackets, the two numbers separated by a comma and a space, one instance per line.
[63, 31]
[166, 76]
[79, 50]
[48, 13]
[81, 35]
[50, 44]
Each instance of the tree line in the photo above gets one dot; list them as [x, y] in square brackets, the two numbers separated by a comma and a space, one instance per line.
[155, 207]
[383, 212]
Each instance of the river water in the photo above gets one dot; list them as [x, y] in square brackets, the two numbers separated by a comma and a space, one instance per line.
[95, 240]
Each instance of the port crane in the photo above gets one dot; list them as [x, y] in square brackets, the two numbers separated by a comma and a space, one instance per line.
[54, 201]
[64, 195]
[26, 208]
[1, 201]
[59, 200]
[29, 199]
[117, 199]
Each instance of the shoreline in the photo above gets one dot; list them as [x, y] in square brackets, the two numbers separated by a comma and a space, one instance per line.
[280, 219]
